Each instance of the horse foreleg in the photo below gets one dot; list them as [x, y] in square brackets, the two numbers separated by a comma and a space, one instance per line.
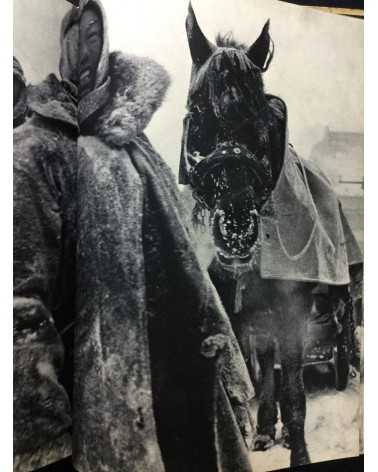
[292, 394]
[267, 410]
[285, 415]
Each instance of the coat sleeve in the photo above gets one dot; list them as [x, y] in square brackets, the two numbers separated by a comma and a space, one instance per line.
[113, 391]
[41, 404]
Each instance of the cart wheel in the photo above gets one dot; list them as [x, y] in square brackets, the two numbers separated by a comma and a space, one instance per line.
[341, 365]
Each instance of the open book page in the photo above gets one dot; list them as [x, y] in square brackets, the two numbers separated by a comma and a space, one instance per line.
[188, 235]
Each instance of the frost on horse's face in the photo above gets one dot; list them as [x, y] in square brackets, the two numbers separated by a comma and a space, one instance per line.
[227, 136]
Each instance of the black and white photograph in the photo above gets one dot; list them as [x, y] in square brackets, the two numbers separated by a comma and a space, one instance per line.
[188, 235]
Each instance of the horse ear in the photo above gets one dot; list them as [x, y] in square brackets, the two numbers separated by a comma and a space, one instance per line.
[260, 53]
[200, 48]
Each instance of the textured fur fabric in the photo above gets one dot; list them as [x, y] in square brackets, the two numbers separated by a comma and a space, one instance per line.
[44, 177]
[100, 247]
[50, 100]
[138, 87]
[158, 371]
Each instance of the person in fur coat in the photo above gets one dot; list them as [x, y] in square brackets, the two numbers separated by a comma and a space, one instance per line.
[160, 383]
[44, 241]
[108, 293]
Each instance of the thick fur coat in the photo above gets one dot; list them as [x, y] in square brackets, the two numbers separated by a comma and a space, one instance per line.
[138, 86]
[45, 157]
[160, 380]
[105, 273]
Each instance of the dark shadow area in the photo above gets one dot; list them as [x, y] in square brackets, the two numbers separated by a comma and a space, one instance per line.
[318, 378]
[62, 466]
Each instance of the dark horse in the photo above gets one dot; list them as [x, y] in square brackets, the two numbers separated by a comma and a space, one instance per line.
[233, 154]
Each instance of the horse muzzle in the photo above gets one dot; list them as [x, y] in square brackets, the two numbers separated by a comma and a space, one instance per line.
[235, 227]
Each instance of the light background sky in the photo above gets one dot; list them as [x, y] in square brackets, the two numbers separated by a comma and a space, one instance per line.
[317, 68]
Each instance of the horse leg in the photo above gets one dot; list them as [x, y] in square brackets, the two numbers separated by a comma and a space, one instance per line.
[267, 410]
[285, 421]
[292, 390]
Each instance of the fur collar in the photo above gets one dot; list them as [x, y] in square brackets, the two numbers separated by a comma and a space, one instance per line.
[137, 89]
[51, 100]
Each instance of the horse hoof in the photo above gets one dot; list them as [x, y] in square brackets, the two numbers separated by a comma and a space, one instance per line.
[285, 438]
[286, 443]
[299, 458]
[263, 442]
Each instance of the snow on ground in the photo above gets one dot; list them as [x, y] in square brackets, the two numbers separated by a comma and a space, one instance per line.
[332, 425]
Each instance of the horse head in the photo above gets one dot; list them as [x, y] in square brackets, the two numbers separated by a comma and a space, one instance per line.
[227, 158]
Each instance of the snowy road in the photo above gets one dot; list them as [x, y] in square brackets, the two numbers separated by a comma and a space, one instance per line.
[332, 426]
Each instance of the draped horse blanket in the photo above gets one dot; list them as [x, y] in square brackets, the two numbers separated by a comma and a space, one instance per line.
[304, 234]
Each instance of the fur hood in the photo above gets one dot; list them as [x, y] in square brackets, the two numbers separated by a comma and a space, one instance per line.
[137, 89]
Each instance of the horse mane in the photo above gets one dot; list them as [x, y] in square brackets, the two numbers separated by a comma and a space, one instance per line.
[227, 40]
